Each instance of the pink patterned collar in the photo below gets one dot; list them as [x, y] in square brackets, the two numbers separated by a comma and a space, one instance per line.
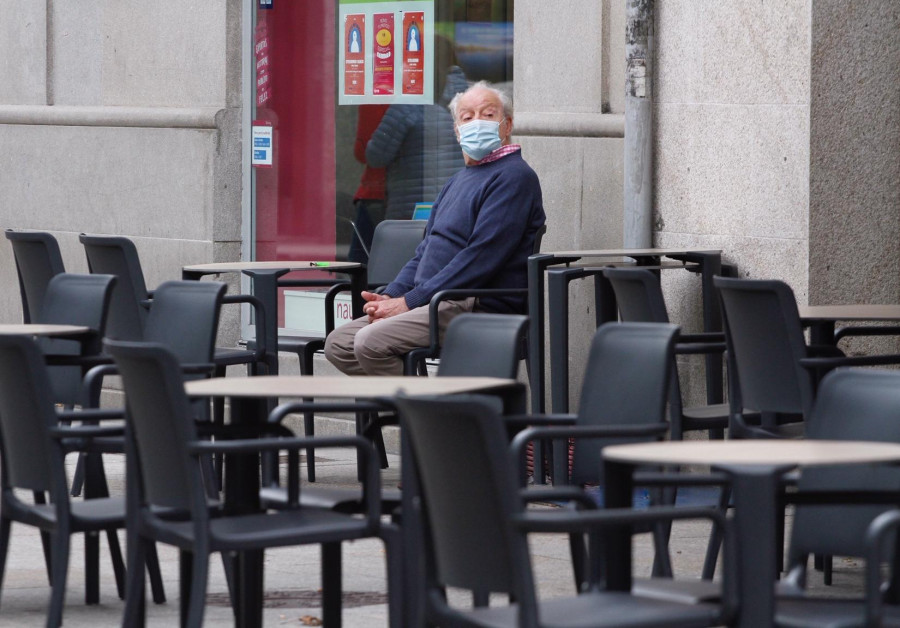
[501, 152]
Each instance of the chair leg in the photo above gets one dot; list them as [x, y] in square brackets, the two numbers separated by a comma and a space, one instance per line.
[41, 498]
[91, 567]
[218, 419]
[827, 568]
[118, 565]
[5, 528]
[331, 584]
[390, 536]
[309, 421]
[715, 539]
[578, 551]
[199, 567]
[78, 476]
[156, 584]
[60, 541]
[135, 594]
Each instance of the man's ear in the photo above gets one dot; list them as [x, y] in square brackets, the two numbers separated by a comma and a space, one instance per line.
[509, 127]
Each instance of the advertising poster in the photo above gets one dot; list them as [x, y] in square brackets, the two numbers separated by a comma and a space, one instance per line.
[383, 70]
[413, 52]
[390, 45]
[355, 54]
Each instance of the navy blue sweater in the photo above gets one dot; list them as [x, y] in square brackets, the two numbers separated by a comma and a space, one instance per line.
[480, 235]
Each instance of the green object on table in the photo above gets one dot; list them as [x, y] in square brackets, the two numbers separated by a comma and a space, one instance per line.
[322, 264]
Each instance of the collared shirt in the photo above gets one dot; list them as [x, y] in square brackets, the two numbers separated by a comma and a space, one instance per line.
[501, 152]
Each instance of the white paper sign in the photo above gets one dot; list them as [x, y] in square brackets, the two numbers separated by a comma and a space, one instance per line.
[261, 137]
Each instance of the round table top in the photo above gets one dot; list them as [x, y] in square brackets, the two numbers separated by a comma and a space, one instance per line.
[293, 265]
[861, 312]
[37, 329]
[340, 386]
[754, 452]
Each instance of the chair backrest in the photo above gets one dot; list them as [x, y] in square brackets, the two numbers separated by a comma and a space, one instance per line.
[393, 244]
[37, 261]
[160, 424]
[467, 507]
[184, 318]
[26, 414]
[482, 345]
[539, 239]
[73, 299]
[626, 383]
[765, 345]
[638, 295]
[114, 255]
[852, 404]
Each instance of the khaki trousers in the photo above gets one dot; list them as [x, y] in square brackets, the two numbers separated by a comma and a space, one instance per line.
[363, 348]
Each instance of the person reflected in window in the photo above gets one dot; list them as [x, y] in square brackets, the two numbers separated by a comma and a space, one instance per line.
[480, 233]
[369, 198]
[417, 146]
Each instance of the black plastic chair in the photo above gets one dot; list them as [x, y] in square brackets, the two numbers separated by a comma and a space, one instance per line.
[38, 260]
[414, 361]
[859, 405]
[165, 476]
[393, 244]
[476, 527]
[623, 399]
[771, 368]
[640, 300]
[33, 445]
[476, 345]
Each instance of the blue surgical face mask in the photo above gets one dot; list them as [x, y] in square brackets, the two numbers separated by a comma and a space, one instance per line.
[479, 138]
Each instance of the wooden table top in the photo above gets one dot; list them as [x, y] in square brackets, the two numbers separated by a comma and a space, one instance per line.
[37, 329]
[754, 452]
[293, 265]
[631, 252]
[340, 386]
[861, 312]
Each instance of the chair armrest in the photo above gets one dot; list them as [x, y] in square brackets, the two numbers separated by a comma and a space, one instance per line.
[703, 337]
[876, 330]
[307, 283]
[365, 451]
[91, 414]
[259, 310]
[81, 438]
[330, 297]
[93, 380]
[590, 520]
[84, 361]
[881, 528]
[828, 363]
[243, 431]
[698, 348]
[459, 293]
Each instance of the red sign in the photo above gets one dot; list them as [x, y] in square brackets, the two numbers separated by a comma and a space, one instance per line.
[263, 85]
[413, 52]
[383, 70]
[355, 55]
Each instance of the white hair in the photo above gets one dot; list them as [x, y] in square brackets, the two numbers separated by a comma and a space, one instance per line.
[502, 96]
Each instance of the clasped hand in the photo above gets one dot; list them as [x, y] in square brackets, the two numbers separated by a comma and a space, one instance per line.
[380, 306]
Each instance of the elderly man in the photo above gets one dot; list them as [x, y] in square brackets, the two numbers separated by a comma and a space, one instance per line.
[480, 234]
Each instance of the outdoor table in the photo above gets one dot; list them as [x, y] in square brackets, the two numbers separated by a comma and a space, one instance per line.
[708, 262]
[821, 318]
[249, 396]
[38, 329]
[754, 467]
[264, 285]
